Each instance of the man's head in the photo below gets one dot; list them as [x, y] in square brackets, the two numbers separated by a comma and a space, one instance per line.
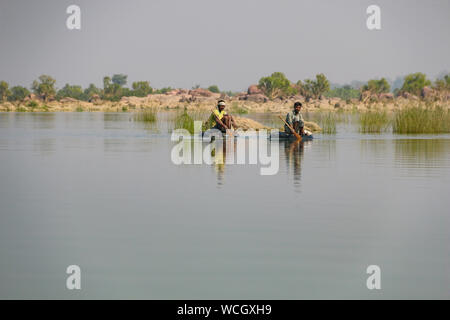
[221, 105]
[297, 107]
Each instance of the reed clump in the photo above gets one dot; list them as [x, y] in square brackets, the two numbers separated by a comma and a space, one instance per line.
[148, 115]
[419, 119]
[185, 120]
[376, 121]
[328, 122]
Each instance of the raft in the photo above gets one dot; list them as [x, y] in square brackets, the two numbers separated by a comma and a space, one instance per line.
[283, 136]
[289, 136]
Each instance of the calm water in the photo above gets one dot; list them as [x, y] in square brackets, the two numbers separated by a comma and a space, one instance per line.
[100, 191]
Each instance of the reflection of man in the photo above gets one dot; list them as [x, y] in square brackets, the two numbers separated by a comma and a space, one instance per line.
[294, 156]
[295, 119]
[220, 119]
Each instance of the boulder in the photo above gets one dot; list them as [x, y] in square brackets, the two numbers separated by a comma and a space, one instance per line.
[253, 89]
[259, 98]
[200, 92]
[428, 92]
[408, 95]
[386, 96]
[68, 100]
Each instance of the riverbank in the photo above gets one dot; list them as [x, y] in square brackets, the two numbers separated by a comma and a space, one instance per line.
[240, 104]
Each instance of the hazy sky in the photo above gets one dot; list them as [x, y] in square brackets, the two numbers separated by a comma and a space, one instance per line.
[231, 43]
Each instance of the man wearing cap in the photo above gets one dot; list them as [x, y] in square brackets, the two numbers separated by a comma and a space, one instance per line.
[295, 119]
[220, 119]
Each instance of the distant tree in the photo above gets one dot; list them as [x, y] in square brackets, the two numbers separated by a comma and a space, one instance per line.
[345, 92]
[197, 86]
[163, 90]
[275, 85]
[230, 93]
[4, 90]
[18, 93]
[44, 87]
[68, 91]
[141, 88]
[443, 83]
[414, 83]
[120, 79]
[90, 91]
[377, 86]
[322, 85]
[214, 89]
[315, 88]
[112, 90]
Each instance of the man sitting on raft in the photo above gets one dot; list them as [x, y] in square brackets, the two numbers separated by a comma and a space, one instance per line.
[220, 119]
[295, 119]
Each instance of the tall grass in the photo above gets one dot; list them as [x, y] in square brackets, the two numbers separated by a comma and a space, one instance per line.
[185, 120]
[373, 121]
[420, 119]
[235, 108]
[148, 115]
[328, 122]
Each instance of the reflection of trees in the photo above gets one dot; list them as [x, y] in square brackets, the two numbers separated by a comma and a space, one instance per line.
[424, 153]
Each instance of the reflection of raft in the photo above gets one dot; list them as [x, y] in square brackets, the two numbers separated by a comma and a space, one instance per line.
[290, 136]
[281, 136]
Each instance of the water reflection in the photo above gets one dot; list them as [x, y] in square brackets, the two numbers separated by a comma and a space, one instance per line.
[422, 153]
[293, 151]
[44, 146]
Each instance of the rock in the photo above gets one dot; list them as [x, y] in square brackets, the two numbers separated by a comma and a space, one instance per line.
[386, 96]
[408, 95]
[259, 98]
[68, 100]
[95, 98]
[428, 92]
[30, 97]
[200, 92]
[312, 126]
[246, 124]
[253, 89]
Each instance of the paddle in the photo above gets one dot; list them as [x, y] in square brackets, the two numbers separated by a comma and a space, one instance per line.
[299, 137]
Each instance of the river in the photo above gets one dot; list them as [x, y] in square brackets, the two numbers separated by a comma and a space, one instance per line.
[100, 191]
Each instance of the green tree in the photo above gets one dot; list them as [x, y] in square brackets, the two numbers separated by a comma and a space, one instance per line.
[44, 87]
[275, 85]
[111, 91]
[345, 92]
[443, 84]
[18, 93]
[90, 91]
[120, 79]
[414, 83]
[214, 89]
[141, 88]
[68, 91]
[4, 90]
[315, 88]
[377, 86]
[164, 90]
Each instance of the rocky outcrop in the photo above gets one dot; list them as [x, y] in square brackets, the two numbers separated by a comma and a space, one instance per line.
[386, 96]
[409, 96]
[199, 92]
[428, 93]
[259, 98]
[253, 89]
